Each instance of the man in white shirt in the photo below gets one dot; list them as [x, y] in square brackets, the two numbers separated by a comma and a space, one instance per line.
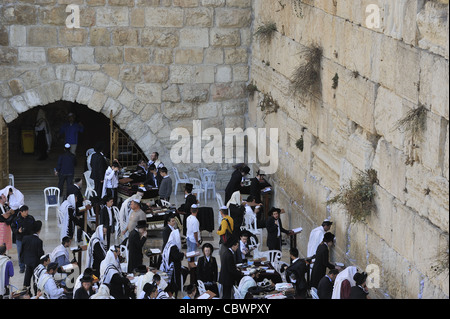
[193, 236]
[111, 181]
[316, 237]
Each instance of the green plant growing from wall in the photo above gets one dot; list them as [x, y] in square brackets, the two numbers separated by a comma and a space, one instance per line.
[358, 196]
[300, 143]
[266, 31]
[441, 263]
[251, 89]
[306, 77]
[413, 125]
[335, 81]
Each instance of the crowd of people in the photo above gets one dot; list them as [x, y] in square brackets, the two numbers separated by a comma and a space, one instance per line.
[111, 273]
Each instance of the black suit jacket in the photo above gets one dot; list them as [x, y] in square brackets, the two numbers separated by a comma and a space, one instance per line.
[229, 273]
[325, 288]
[104, 217]
[135, 254]
[32, 250]
[207, 271]
[273, 241]
[233, 185]
[98, 166]
[299, 269]
[321, 264]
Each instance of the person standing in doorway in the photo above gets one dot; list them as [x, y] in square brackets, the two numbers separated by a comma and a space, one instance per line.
[43, 135]
[70, 130]
[65, 169]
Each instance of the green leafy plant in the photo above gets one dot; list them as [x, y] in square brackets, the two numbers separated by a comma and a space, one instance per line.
[252, 88]
[335, 81]
[358, 196]
[300, 144]
[266, 31]
[306, 77]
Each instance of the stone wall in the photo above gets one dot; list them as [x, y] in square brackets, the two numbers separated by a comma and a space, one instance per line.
[158, 65]
[382, 74]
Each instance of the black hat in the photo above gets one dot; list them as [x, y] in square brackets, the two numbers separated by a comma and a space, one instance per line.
[142, 270]
[86, 278]
[360, 278]
[208, 245]
[328, 237]
[189, 187]
[245, 170]
[141, 224]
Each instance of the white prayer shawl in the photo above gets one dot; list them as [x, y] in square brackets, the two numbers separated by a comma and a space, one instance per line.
[174, 240]
[42, 124]
[235, 199]
[59, 251]
[16, 199]
[97, 237]
[47, 285]
[245, 283]
[63, 221]
[102, 293]
[346, 274]
[110, 259]
[125, 211]
[141, 281]
[3, 261]
[38, 271]
[315, 238]
[111, 180]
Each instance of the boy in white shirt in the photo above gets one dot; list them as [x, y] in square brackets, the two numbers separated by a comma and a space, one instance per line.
[193, 237]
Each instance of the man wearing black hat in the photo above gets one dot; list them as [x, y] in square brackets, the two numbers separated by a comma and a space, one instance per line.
[136, 241]
[359, 291]
[85, 291]
[185, 208]
[235, 182]
[274, 230]
[258, 184]
[322, 262]
[229, 274]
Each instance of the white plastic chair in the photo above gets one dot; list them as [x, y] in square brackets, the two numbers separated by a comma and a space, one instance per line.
[201, 287]
[256, 251]
[86, 238]
[90, 193]
[117, 228]
[178, 179]
[313, 292]
[219, 204]
[47, 192]
[197, 188]
[250, 224]
[201, 172]
[165, 203]
[272, 255]
[209, 183]
[90, 184]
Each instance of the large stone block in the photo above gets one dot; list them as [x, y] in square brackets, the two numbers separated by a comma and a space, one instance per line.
[164, 17]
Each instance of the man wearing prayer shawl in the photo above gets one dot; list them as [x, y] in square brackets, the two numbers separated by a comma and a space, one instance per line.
[60, 254]
[343, 283]
[125, 211]
[111, 274]
[43, 135]
[171, 261]
[96, 250]
[67, 211]
[6, 271]
[102, 293]
[14, 197]
[47, 283]
[316, 237]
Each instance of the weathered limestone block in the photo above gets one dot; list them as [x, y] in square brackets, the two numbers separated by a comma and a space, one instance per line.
[360, 150]
[70, 91]
[175, 111]
[155, 73]
[8, 56]
[31, 55]
[434, 77]
[7, 111]
[160, 37]
[224, 37]
[432, 148]
[73, 37]
[233, 18]
[194, 37]
[18, 35]
[20, 14]
[164, 17]
[83, 55]
[149, 92]
[112, 16]
[389, 163]
[189, 56]
[104, 55]
[199, 17]
[326, 166]
[195, 93]
[432, 22]
[58, 55]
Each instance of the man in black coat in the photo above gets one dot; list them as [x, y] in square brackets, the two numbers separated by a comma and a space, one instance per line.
[107, 218]
[65, 168]
[274, 230]
[229, 274]
[296, 273]
[326, 284]
[235, 182]
[21, 227]
[185, 208]
[32, 250]
[85, 291]
[136, 241]
[322, 262]
[75, 189]
[99, 166]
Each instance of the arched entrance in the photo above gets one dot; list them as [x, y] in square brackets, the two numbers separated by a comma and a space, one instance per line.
[26, 164]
